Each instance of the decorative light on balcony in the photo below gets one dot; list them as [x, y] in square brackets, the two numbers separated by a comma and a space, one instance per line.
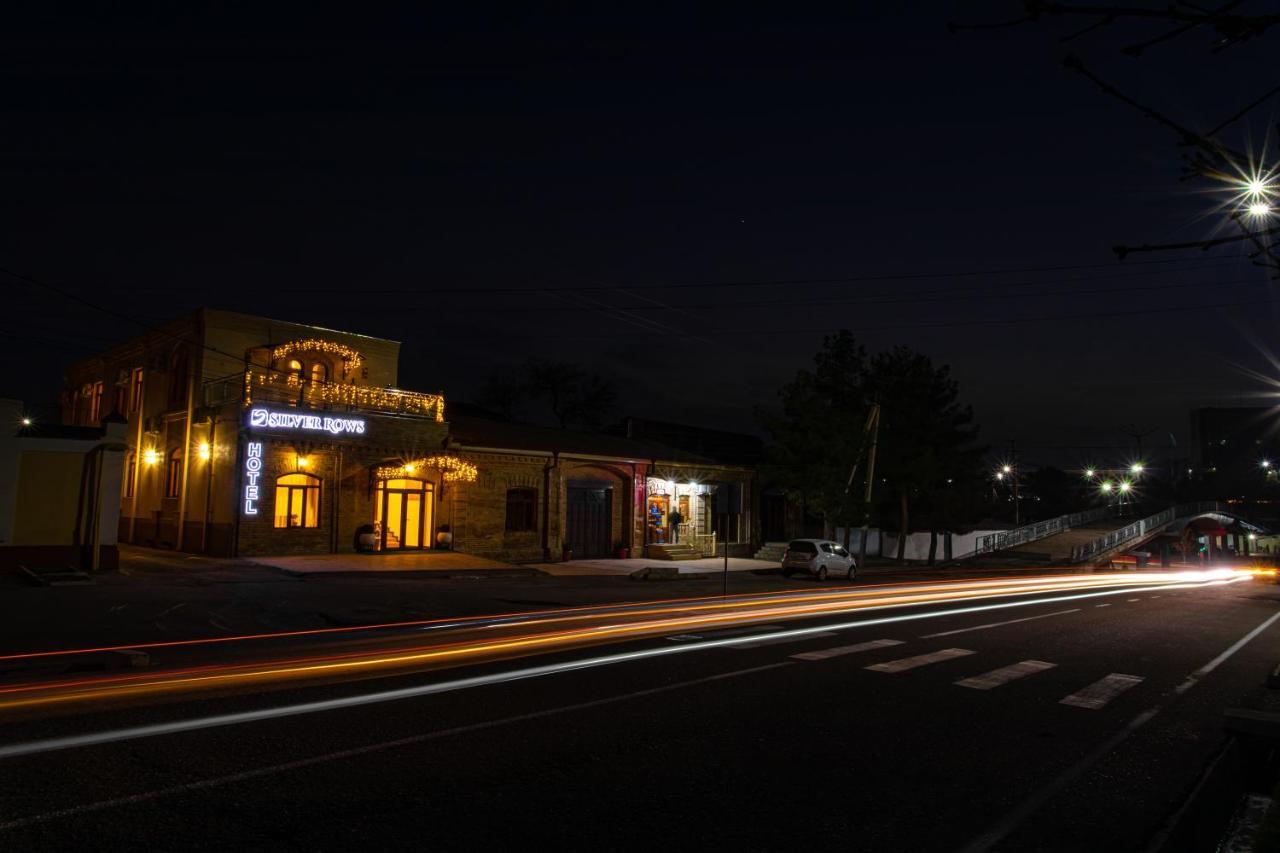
[351, 360]
[340, 394]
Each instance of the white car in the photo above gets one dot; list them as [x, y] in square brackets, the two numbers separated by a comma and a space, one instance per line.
[818, 557]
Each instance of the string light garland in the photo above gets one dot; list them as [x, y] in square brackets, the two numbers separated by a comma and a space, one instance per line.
[455, 470]
[351, 360]
[339, 394]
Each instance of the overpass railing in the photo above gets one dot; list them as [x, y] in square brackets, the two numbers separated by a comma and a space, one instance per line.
[1039, 530]
[1140, 529]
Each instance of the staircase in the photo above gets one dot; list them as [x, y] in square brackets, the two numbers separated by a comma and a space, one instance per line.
[772, 551]
[672, 552]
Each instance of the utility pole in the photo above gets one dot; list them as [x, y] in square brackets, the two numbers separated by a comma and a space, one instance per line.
[870, 435]
[1013, 463]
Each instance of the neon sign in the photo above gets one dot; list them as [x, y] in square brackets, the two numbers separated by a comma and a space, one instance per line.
[301, 421]
[252, 473]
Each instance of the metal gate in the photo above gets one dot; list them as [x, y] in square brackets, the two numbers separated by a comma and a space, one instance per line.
[588, 512]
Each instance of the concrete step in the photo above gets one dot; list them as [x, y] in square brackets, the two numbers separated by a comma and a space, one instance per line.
[772, 551]
[672, 552]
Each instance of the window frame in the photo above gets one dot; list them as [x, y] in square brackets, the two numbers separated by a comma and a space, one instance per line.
[173, 473]
[324, 373]
[522, 510]
[130, 472]
[95, 401]
[135, 389]
[309, 491]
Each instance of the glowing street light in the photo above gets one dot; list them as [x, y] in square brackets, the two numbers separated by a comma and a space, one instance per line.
[1136, 468]
[1125, 486]
[1106, 487]
[1265, 463]
[1089, 473]
[1259, 210]
[205, 451]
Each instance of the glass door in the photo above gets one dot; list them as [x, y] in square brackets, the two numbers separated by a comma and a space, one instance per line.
[403, 514]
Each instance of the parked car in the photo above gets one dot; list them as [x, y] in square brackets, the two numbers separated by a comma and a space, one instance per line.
[818, 557]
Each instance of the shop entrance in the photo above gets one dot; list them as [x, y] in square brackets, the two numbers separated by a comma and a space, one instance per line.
[404, 513]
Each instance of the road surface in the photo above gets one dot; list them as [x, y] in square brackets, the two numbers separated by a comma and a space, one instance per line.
[1068, 714]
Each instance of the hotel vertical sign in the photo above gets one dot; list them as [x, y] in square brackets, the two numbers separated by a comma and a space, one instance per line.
[252, 473]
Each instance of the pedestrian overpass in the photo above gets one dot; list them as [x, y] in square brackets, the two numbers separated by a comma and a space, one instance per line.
[1094, 536]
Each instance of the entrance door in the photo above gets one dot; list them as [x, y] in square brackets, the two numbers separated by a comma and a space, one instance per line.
[774, 518]
[404, 514]
[587, 523]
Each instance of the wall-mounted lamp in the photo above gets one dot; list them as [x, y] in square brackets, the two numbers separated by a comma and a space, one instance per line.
[150, 456]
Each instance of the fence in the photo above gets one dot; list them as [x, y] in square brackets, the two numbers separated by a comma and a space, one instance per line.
[1031, 532]
[1139, 529]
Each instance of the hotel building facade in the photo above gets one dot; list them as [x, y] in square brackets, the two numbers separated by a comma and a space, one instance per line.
[253, 436]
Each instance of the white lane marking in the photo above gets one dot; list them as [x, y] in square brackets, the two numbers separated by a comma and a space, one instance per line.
[998, 624]
[1220, 659]
[242, 717]
[1133, 599]
[1005, 674]
[1003, 828]
[354, 752]
[904, 664]
[1108, 604]
[1153, 596]
[773, 641]
[1102, 691]
[847, 650]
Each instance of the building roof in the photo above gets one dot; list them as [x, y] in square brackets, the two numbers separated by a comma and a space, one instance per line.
[470, 427]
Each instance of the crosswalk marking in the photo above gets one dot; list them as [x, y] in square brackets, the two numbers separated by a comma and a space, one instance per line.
[1005, 674]
[773, 641]
[903, 664]
[847, 650]
[1102, 691]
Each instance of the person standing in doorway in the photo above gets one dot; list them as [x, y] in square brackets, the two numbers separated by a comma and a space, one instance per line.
[674, 518]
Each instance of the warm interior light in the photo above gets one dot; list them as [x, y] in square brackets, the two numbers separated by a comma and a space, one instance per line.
[150, 456]
[303, 461]
[204, 451]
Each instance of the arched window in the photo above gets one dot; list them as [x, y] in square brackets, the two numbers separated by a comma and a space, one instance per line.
[173, 474]
[130, 471]
[522, 506]
[293, 366]
[319, 372]
[178, 368]
[297, 501]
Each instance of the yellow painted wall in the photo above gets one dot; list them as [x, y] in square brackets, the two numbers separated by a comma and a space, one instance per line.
[48, 497]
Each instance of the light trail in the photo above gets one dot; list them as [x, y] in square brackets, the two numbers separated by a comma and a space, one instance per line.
[593, 610]
[243, 717]
[684, 619]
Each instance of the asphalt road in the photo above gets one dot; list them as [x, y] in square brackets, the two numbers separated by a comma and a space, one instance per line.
[702, 739]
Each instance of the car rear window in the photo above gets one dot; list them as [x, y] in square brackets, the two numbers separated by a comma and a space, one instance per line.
[802, 547]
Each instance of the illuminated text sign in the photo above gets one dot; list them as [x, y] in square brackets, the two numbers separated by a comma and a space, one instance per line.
[252, 473]
[306, 422]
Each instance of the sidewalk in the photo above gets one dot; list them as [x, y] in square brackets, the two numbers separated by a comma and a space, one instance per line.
[613, 568]
[399, 562]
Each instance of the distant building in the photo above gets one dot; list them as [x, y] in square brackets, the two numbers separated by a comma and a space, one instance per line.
[248, 435]
[59, 492]
[1235, 451]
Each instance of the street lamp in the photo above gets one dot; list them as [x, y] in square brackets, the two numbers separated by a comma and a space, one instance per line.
[1136, 468]
[1125, 486]
[1106, 487]
[1089, 473]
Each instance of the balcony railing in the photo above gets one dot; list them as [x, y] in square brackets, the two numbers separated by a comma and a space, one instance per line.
[273, 386]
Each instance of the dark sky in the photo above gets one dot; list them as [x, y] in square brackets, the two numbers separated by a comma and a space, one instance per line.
[455, 182]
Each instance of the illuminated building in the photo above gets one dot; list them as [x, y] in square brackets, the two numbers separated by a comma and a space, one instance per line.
[248, 435]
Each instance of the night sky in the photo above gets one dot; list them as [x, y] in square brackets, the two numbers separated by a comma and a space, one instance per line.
[492, 187]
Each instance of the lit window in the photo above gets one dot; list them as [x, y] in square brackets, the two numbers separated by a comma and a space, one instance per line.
[522, 507]
[293, 366]
[95, 403]
[173, 474]
[319, 372]
[297, 501]
[135, 390]
[130, 471]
